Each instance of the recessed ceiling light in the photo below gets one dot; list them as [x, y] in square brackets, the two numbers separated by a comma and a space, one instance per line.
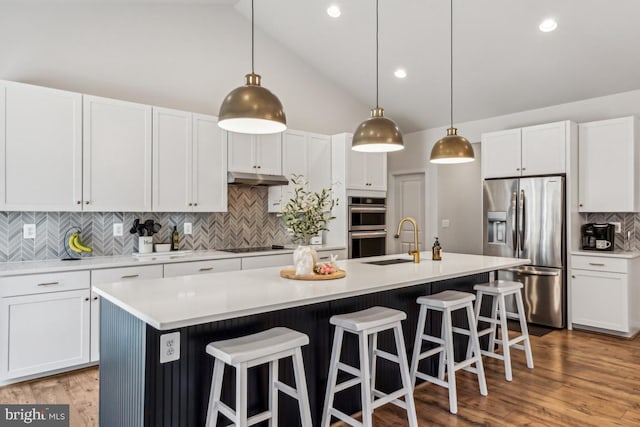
[548, 25]
[400, 73]
[333, 11]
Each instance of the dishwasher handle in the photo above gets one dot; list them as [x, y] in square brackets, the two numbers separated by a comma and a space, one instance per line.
[533, 272]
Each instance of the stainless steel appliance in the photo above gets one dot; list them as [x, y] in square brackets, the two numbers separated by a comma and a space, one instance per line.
[367, 227]
[254, 249]
[598, 237]
[524, 218]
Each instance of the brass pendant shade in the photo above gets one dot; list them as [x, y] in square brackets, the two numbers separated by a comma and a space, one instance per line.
[252, 109]
[452, 148]
[377, 134]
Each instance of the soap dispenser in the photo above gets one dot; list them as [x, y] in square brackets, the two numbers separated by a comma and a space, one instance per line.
[435, 251]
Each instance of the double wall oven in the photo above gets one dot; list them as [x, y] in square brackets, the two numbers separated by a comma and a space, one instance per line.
[367, 227]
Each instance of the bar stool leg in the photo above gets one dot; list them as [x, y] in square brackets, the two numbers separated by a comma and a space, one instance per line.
[451, 373]
[524, 330]
[475, 349]
[506, 350]
[404, 375]
[494, 315]
[214, 396]
[373, 346]
[273, 393]
[417, 344]
[301, 387]
[333, 376]
[241, 395]
[365, 376]
[442, 357]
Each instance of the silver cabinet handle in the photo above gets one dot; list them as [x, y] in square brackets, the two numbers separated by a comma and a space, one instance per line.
[597, 264]
[324, 257]
[206, 269]
[129, 276]
[48, 283]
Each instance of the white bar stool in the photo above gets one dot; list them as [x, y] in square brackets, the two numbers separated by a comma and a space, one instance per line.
[447, 302]
[363, 324]
[498, 290]
[245, 352]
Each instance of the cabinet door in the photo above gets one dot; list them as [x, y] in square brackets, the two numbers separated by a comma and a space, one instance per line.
[202, 267]
[356, 170]
[606, 175]
[209, 165]
[172, 155]
[376, 171]
[295, 154]
[544, 148]
[117, 155]
[501, 154]
[44, 332]
[241, 149]
[40, 148]
[263, 261]
[600, 300]
[269, 154]
[319, 162]
[94, 354]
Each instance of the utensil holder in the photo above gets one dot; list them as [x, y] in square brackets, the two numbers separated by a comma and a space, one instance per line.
[145, 244]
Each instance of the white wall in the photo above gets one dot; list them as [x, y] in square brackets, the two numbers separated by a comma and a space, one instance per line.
[447, 186]
[178, 56]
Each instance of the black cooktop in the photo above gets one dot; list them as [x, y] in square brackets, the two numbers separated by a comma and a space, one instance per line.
[258, 249]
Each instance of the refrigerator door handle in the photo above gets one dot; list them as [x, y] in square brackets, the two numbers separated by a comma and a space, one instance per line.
[521, 223]
[533, 272]
[514, 209]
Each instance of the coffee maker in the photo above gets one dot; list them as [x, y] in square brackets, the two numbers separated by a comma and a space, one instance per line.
[598, 237]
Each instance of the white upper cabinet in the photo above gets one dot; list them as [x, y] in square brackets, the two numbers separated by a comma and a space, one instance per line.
[609, 166]
[189, 163]
[366, 171]
[528, 151]
[319, 162]
[356, 169]
[40, 148]
[117, 155]
[255, 153]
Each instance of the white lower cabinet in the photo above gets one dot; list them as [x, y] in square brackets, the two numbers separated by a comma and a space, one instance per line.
[262, 261]
[202, 267]
[325, 256]
[604, 293]
[46, 325]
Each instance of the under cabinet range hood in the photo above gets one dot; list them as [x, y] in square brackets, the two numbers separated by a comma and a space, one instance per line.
[253, 179]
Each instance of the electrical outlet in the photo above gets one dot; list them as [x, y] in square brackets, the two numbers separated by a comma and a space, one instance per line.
[187, 228]
[618, 226]
[169, 347]
[446, 223]
[29, 231]
[117, 229]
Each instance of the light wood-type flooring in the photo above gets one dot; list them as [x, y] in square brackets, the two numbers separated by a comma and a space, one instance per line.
[580, 379]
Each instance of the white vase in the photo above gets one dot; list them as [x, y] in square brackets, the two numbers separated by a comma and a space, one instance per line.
[304, 259]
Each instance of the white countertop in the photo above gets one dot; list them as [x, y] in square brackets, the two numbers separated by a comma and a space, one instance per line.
[609, 254]
[92, 263]
[190, 300]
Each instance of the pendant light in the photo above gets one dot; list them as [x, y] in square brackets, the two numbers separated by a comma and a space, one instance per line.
[377, 133]
[252, 108]
[452, 148]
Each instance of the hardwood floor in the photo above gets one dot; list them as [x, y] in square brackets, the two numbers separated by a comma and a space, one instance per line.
[579, 379]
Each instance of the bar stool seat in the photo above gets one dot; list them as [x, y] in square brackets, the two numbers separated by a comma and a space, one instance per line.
[498, 286]
[446, 299]
[251, 350]
[368, 319]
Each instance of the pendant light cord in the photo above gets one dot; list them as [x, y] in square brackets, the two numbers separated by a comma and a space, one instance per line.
[451, 60]
[377, 61]
[252, 39]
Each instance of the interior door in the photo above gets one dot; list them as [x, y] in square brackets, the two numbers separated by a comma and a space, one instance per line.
[499, 217]
[410, 201]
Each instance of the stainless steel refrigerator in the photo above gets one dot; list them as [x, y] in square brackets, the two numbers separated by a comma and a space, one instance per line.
[524, 218]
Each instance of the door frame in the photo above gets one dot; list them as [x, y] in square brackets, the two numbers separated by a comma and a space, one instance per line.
[394, 217]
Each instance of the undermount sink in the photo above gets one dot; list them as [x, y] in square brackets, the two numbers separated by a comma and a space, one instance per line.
[389, 261]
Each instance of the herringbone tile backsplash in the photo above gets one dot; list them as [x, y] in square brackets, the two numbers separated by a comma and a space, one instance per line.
[628, 222]
[247, 223]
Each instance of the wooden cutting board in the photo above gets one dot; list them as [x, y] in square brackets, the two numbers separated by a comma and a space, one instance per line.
[290, 273]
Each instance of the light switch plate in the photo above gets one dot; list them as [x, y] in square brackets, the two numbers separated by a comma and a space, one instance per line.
[29, 231]
[446, 223]
[169, 347]
[187, 228]
[618, 226]
[117, 229]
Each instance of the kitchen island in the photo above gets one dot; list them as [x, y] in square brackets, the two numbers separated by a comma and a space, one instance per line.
[136, 389]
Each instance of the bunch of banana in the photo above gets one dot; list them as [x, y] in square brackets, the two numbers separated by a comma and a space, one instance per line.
[76, 245]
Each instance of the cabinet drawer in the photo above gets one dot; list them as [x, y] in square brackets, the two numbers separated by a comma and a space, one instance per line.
[615, 265]
[42, 283]
[325, 256]
[280, 260]
[110, 275]
[201, 267]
